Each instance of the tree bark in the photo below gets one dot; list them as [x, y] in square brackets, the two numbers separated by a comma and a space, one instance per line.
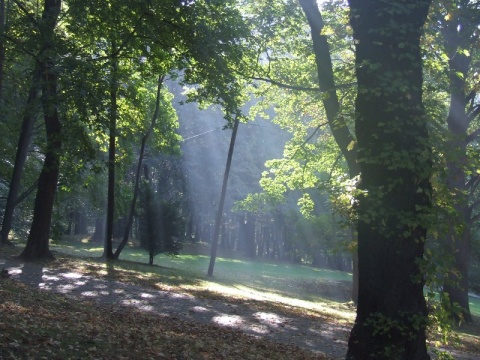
[394, 157]
[38, 239]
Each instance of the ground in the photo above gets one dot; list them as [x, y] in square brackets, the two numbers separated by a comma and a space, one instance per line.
[61, 311]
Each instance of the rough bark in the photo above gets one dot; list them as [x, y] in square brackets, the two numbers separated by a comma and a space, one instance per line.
[394, 158]
[38, 239]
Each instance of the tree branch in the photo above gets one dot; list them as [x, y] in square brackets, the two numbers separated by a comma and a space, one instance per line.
[25, 11]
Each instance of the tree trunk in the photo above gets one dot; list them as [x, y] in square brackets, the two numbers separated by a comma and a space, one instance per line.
[108, 245]
[218, 219]
[38, 239]
[24, 140]
[395, 163]
[136, 188]
[338, 126]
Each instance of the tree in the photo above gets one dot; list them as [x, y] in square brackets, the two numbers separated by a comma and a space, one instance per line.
[316, 89]
[218, 219]
[141, 155]
[28, 120]
[394, 196]
[38, 240]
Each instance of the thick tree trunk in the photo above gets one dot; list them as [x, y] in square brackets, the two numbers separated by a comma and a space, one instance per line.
[38, 239]
[394, 156]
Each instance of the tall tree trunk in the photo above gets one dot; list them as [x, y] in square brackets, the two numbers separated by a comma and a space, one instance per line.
[108, 244]
[395, 163]
[38, 239]
[139, 168]
[218, 219]
[24, 140]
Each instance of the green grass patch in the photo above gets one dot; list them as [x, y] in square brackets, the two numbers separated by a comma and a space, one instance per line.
[234, 276]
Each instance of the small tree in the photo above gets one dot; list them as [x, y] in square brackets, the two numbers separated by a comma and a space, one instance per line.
[161, 226]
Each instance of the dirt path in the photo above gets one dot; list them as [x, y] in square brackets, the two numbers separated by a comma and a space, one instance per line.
[304, 331]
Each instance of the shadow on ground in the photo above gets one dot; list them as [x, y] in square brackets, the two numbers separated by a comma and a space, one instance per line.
[308, 332]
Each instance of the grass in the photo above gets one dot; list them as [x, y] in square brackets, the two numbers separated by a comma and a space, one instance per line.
[474, 305]
[303, 290]
[260, 280]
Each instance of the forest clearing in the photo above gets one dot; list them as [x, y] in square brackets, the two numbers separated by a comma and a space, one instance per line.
[321, 158]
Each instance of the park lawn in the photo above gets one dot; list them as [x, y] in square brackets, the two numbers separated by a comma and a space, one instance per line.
[309, 288]
[303, 289]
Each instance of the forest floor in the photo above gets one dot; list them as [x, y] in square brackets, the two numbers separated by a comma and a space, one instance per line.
[85, 313]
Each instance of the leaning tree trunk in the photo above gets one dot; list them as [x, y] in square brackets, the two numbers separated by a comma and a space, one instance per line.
[38, 239]
[337, 123]
[395, 163]
[136, 189]
[218, 219]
